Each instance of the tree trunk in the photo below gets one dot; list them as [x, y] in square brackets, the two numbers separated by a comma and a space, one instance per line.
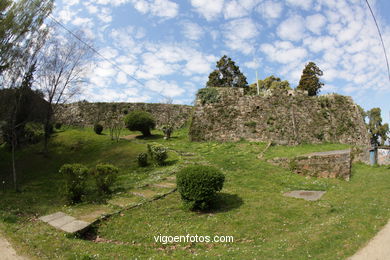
[146, 132]
[47, 133]
[13, 144]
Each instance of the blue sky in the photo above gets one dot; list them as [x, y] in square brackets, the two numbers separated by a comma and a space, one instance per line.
[171, 46]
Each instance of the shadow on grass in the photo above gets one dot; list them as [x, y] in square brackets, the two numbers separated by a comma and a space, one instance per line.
[224, 202]
[152, 137]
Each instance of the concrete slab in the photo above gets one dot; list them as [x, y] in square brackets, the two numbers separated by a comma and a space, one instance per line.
[59, 222]
[310, 195]
[51, 217]
[74, 226]
[165, 185]
[145, 193]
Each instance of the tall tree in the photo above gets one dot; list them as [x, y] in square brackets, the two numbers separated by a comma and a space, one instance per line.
[227, 74]
[310, 80]
[378, 132]
[21, 25]
[62, 67]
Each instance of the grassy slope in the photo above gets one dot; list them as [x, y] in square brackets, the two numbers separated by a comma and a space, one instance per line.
[251, 208]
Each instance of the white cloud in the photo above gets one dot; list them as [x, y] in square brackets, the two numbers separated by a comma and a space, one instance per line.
[208, 9]
[270, 9]
[315, 23]
[167, 88]
[253, 64]
[284, 52]
[292, 29]
[233, 9]
[304, 4]
[239, 35]
[192, 31]
[161, 8]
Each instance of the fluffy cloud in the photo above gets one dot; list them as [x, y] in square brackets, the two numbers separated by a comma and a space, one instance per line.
[292, 29]
[284, 52]
[161, 8]
[192, 31]
[315, 23]
[304, 4]
[270, 9]
[239, 35]
[208, 9]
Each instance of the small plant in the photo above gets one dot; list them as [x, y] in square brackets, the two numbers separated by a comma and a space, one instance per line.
[142, 159]
[105, 176]
[167, 130]
[198, 185]
[140, 121]
[98, 128]
[75, 181]
[33, 132]
[158, 153]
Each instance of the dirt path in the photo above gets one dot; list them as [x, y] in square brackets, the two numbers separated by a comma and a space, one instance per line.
[377, 249]
[7, 252]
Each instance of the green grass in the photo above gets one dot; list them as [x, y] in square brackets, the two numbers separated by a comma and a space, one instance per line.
[251, 207]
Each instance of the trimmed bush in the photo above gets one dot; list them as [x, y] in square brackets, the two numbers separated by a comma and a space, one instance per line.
[142, 159]
[75, 181]
[198, 184]
[140, 121]
[98, 128]
[158, 153]
[105, 176]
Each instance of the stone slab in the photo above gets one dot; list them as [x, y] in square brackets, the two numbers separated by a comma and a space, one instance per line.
[74, 226]
[144, 193]
[52, 217]
[310, 195]
[330, 153]
[165, 185]
[59, 222]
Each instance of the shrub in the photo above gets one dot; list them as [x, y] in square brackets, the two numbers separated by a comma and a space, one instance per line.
[75, 181]
[167, 130]
[198, 185]
[140, 121]
[98, 128]
[208, 95]
[33, 133]
[105, 176]
[158, 153]
[58, 125]
[142, 159]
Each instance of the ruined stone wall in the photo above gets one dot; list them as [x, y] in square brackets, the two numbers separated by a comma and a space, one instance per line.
[280, 118]
[87, 114]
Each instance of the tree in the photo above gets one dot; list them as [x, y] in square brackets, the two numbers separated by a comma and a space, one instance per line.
[140, 121]
[310, 80]
[227, 74]
[270, 83]
[62, 65]
[21, 25]
[378, 132]
[114, 122]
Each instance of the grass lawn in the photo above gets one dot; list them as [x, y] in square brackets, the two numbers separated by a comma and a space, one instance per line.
[251, 207]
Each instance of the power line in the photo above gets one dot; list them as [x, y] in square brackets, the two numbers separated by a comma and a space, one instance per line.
[380, 36]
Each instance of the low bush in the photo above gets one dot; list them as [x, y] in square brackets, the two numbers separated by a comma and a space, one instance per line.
[75, 181]
[105, 176]
[140, 121]
[158, 153]
[98, 128]
[33, 133]
[142, 159]
[198, 184]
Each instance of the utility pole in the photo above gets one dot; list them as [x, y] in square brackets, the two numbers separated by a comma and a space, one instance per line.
[257, 84]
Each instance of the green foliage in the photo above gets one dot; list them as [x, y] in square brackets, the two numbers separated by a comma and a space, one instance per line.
[208, 95]
[270, 83]
[310, 81]
[75, 176]
[198, 185]
[378, 132]
[227, 74]
[142, 159]
[158, 153]
[33, 132]
[140, 121]
[58, 125]
[167, 130]
[105, 176]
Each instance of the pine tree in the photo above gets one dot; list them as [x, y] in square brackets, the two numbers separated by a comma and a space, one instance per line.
[227, 74]
[378, 132]
[310, 80]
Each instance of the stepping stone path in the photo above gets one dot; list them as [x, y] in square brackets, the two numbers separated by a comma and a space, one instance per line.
[311, 195]
[64, 222]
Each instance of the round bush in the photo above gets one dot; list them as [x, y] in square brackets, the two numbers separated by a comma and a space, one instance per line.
[158, 153]
[105, 176]
[140, 121]
[142, 159]
[75, 180]
[98, 128]
[198, 185]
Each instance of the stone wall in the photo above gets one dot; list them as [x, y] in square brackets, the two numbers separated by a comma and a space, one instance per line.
[87, 114]
[332, 164]
[384, 155]
[280, 118]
